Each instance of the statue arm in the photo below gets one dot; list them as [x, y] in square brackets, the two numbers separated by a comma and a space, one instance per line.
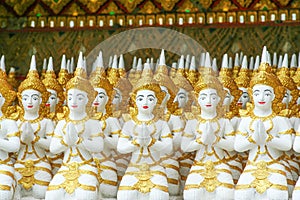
[296, 145]
[243, 140]
[189, 141]
[227, 141]
[125, 143]
[283, 140]
[92, 144]
[44, 142]
[114, 129]
[164, 143]
[11, 143]
[57, 144]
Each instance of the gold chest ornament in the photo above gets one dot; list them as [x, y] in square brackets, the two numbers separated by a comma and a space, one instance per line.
[261, 182]
[210, 182]
[144, 184]
[27, 179]
[71, 176]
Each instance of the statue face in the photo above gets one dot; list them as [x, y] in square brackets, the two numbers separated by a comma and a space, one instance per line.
[31, 100]
[244, 98]
[101, 98]
[208, 99]
[53, 100]
[118, 97]
[146, 101]
[263, 95]
[228, 98]
[77, 100]
[287, 97]
[181, 97]
[2, 100]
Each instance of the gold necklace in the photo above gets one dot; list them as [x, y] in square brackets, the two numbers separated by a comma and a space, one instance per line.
[77, 121]
[139, 122]
[269, 117]
[32, 121]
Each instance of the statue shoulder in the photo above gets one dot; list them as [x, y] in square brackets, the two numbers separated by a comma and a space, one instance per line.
[189, 116]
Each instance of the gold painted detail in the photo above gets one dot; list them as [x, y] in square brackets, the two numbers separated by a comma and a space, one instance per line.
[261, 182]
[210, 182]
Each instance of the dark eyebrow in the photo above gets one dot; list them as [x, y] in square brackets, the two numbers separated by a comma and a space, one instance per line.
[151, 95]
[181, 93]
[256, 91]
[140, 96]
[213, 93]
[80, 94]
[35, 95]
[203, 94]
[267, 90]
[101, 93]
[245, 92]
[25, 95]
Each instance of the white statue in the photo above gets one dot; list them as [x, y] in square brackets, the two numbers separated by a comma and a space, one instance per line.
[9, 142]
[266, 136]
[209, 134]
[111, 129]
[33, 170]
[78, 137]
[148, 139]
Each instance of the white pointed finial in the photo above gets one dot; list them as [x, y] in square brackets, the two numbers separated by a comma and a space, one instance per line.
[139, 66]
[100, 60]
[80, 60]
[2, 63]
[134, 62]
[279, 62]
[257, 61]
[152, 62]
[32, 63]
[50, 65]
[299, 60]
[225, 61]
[230, 63]
[207, 60]
[193, 63]
[174, 65]
[69, 66]
[264, 55]
[187, 62]
[274, 59]
[236, 60]
[84, 63]
[110, 61]
[63, 62]
[121, 62]
[181, 62]
[293, 61]
[148, 60]
[147, 66]
[45, 64]
[202, 60]
[214, 65]
[72, 65]
[245, 62]
[162, 59]
[285, 62]
[251, 65]
[115, 62]
[12, 70]
[241, 57]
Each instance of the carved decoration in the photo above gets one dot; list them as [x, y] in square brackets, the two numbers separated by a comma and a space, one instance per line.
[149, 8]
[130, 5]
[244, 3]
[56, 6]
[168, 5]
[93, 5]
[112, 7]
[262, 4]
[206, 3]
[20, 6]
[187, 5]
[225, 5]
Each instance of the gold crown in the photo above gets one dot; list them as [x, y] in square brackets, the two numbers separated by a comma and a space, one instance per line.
[243, 79]
[100, 81]
[163, 79]
[113, 76]
[63, 77]
[33, 82]
[209, 81]
[8, 93]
